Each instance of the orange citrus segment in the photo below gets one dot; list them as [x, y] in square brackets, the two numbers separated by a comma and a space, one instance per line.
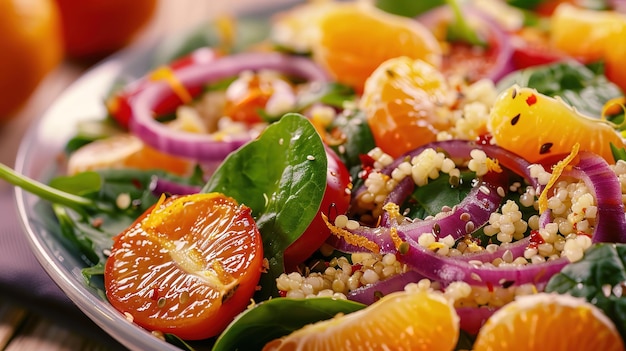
[124, 151]
[354, 38]
[537, 127]
[548, 322]
[401, 101]
[414, 319]
[585, 33]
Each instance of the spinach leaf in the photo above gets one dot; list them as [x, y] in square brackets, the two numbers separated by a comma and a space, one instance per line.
[281, 176]
[355, 138]
[585, 88]
[599, 278]
[274, 318]
[428, 200]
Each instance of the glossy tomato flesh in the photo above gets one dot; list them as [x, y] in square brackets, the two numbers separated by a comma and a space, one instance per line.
[187, 267]
[532, 47]
[336, 201]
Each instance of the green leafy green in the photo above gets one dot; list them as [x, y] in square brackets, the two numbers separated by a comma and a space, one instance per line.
[281, 176]
[244, 32]
[599, 278]
[355, 138]
[85, 204]
[428, 200]
[274, 318]
[583, 87]
[460, 30]
[618, 153]
[408, 8]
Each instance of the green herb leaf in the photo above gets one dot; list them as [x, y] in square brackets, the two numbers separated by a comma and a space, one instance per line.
[408, 8]
[597, 278]
[618, 153]
[274, 318]
[460, 30]
[83, 184]
[281, 176]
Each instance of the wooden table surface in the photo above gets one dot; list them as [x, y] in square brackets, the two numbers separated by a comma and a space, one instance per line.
[22, 329]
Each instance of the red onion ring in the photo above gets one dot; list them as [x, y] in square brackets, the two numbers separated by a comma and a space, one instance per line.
[600, 179]
[206, 147]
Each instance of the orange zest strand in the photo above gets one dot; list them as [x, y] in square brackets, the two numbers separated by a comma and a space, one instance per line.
[613, 107]
[165, 73]
[350, 238]
[493, 165]
[394, 212]
[226, 28]
[397, 242]
[557, 170]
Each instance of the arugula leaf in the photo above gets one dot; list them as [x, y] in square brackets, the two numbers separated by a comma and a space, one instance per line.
[281, 176]
[274, 318]
[599, 278]
[585, 88]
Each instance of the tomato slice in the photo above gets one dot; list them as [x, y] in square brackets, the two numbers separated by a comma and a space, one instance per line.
[335, 201]
[187, 267]
[532, 48]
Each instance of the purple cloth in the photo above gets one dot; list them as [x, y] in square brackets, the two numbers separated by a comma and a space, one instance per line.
[24, 283]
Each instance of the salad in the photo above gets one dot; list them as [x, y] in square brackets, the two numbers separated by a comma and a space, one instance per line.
[365, 176]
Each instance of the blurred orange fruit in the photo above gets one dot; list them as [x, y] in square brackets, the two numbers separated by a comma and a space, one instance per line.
[401, 101]
[30, 47]
[414, 319]
[548, 322]
[586, 34]
[124, 151]
[355, 38]
[95, 28]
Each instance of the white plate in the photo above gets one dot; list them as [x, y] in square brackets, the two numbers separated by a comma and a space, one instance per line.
[43, 143]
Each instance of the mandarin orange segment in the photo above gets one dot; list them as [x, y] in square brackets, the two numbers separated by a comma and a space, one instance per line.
[548, 322]
[402, 101]
[414, 319]
[124, 151]
[585, 33]
[355, 38]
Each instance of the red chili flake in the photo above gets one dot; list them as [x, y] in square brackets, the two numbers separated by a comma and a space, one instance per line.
[531, 100]
[282, 293]
[535, 239]
[154, 294]
[136, 183]
[356, 267]
[489, 287]
[484, 139]
[367, 163]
